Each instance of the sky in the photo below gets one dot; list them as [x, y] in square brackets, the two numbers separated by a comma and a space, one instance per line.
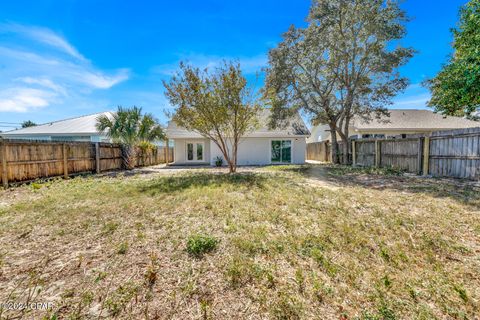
[62, 59]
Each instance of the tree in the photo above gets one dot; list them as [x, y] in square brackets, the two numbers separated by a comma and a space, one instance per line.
[341, 65]
[130, 128]
[456, 88]
[28, 123]
[218, 105]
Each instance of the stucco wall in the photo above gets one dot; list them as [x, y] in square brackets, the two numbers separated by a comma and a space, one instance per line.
[251, 151]
[256, 151]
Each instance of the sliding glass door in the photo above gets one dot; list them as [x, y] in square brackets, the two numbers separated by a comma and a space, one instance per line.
[281, 151]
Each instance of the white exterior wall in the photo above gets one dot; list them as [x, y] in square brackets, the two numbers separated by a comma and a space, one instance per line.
[256, 151]
[180, 151]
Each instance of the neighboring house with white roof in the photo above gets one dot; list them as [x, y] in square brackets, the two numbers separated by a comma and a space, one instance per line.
[75, 129]
[260, 147]
[399, 124]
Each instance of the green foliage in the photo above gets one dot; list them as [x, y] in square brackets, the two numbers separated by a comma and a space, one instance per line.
[456, 88]
[218, 105]
[341, 65]
[122, 248]
[130, 127]
[28, 123]
[218, 161]
[198, 245]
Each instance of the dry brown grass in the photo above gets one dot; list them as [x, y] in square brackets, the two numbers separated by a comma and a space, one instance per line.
[354, 245]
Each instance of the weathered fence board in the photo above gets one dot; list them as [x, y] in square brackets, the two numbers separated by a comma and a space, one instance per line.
[24, 160]
[452, 153]
[318, 151]
[455, 153]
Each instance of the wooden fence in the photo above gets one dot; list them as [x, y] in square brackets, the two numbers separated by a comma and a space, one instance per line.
[452, 153]
[24, 160]
[318, 151]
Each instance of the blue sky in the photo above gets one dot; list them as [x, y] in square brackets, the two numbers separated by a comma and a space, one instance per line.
[66, 58]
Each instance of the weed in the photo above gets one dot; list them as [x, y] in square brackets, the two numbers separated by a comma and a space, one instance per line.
[119, 299]
[462, 293]
[286, 307]
[122, 248]
[198, 245]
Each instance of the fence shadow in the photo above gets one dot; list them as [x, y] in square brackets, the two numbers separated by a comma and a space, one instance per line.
[179, 182]
[465, 191]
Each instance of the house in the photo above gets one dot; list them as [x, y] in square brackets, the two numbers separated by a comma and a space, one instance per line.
[73, 129]
[399, 124]
[261, 147]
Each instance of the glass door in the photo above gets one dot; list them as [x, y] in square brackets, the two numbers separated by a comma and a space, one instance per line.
[281, 151]
[195, 151]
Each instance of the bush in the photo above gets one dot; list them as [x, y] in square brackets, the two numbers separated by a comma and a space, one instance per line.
[198, 245]
[218, 161]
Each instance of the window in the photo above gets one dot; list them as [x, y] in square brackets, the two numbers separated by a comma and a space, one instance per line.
[404, 136]
[195, 151]
[281, 151]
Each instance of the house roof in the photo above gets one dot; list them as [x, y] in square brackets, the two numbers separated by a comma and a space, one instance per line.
[80, 125]
[409, 119]
[292, 127]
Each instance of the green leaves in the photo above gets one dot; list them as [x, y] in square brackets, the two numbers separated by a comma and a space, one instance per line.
[217, 104]
[456, 88]
[130, 127]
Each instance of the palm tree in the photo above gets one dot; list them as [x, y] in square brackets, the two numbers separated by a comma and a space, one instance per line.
[129, 127]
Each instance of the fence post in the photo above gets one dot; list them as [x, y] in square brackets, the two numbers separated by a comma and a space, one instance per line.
[420, 155]
[377, 153]
[65, 160]
[426, 155]
[97, 157]
[167, 152]
[4, 164]
[354, 153]
[327, 154]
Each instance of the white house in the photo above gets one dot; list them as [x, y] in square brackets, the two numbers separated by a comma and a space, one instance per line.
[74, 129]
[398, 124]
[262, 147]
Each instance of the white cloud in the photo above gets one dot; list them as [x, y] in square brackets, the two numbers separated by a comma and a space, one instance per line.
[48, 73]
[22, 99]
[249, 65]
[42, 35]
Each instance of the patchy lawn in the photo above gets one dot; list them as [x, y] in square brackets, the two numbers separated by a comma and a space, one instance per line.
[280, 242]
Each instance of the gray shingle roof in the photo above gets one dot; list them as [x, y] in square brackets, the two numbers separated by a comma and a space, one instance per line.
[78, 125]
[294, 126]
[414, 119]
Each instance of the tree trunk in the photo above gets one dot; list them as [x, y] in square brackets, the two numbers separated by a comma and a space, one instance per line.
[334, 149]
[129, 156]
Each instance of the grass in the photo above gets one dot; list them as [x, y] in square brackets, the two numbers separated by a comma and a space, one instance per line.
[287, 242]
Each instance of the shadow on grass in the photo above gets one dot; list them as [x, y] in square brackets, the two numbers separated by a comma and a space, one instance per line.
[201, 180]
[465, 191]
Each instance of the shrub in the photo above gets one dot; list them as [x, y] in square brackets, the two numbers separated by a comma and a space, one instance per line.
[198, 245]
[218, 161]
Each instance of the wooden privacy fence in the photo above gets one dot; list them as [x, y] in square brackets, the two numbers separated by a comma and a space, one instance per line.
[452, 153]
[24, 160]
[318, 151]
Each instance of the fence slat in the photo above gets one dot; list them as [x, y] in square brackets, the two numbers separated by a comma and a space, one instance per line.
[4, 164]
